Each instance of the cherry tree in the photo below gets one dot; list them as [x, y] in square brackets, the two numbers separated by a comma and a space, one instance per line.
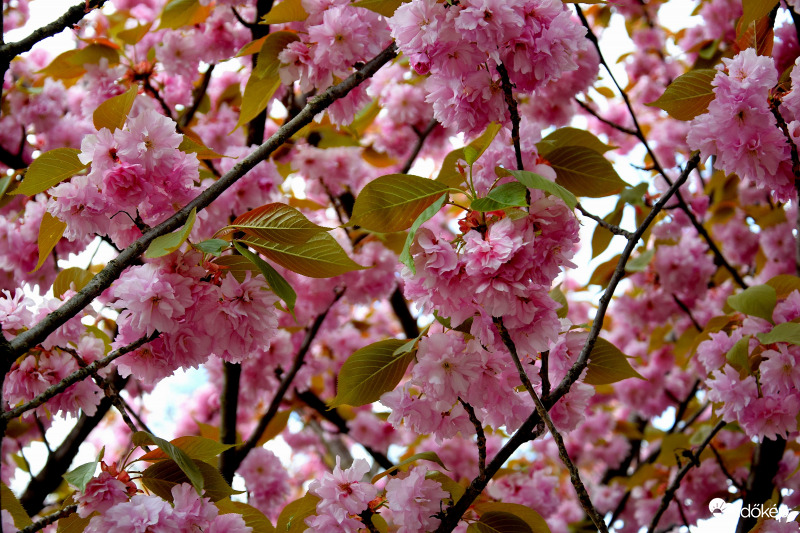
[362, 221]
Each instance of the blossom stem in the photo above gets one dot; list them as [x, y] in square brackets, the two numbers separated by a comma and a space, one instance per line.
[616, 230]
[49, 519]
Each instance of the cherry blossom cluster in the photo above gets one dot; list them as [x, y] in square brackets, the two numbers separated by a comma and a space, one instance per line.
[461, 45]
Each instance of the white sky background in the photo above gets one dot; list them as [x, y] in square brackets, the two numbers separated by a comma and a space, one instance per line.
[173, 391]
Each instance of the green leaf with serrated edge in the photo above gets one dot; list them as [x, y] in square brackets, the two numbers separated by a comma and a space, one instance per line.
[423, 456]
[275, 426]
[113, 113]
[50, 232]
[275, 222]
[292, 518]
[50, 169]
[73, 278]
[381, 7]
[738, 354]
[641, 261]
[601, 237]
[498, 522]
[183, 461]
[191, 146]
[166, 244]
[784, 284]
[392, 203]
[411, 344]
[502, 197]
[70, 64]
[584, 172]
[405, 255]
[9, 502]
[199, 448]
[688, 95]
[321, 257]
[607, 364]
[252, 517]
[758, 300]
[785, 332]
[286, 11]
[569, 136]
[455, 489]
[559, 297]
[253, 47]
[163, 475]
[80, 476]
[449, 174]
[276, 282]
[535, 181]
[752, 10]
[180, 13]
[268, 64]
[212, 246]
[479, 145]
[370, 372]
[530, 518]
[237, 265]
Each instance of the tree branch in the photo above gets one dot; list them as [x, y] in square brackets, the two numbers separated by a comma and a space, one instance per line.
[229, 406]
[49, 519]
[616, 230]
[481, 437]
[512, 111]
[421, 136]
[605, 121]
[37, 333]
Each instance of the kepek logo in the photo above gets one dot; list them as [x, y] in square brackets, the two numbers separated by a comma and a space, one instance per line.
[717, 506]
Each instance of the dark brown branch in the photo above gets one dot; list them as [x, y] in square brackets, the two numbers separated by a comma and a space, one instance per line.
[49, 519]
[481, 436]
[605, 121]
[724, 469]
[228, 408]
[14, 161]
[197, 98]
[685, 309]
[616, 230]
[512, 111]
[407, 320]
[676, 483]
[421, 136]
[37, 333]
[286, 382]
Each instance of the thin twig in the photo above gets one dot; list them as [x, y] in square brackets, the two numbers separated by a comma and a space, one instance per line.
[688, 312]
[596, 115]
[197, 98]
[574, 475]
[725, 471]
[673, 487]
[49, 519]
[39, 332]
[286, 382]
[421, 136]
[481, 436]
[512, 111]
[616, 230]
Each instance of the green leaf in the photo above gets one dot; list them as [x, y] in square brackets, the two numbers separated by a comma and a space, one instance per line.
[320, 257]
[50, 232]
[252, 47]
[135, 34]
[758, 300]
[276, 282]
[502, 197]
[784, 284]
[474, 150]
[641, 261]
[74, 523]
[286, 11]
[688, 95]
[785, 332]
[49, 169]
[275, 426]
[449, 174]
[737, 356]
[9, 502]
[238, 266]
[584, 172]
[264, 80]
[275, 222]
[166, 244]
[535, 181]
[292, 518]
[455, 489]
[70, 64]
[163, 475]
[183, 461]
[381, 7]
[370, 372]
[392, 203]
[499, 522]
[180, 13]
[113, 113]
[74, 278]
[601, 237]
[81, 475]
[199, 448]
[569, 136]
[607, 364]
[422, 456]
[405, 255]
[531, 520]
[252, 517]
[558, 296]
[212, 246]
[754, 10]
[190, 145]
[633, 195]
